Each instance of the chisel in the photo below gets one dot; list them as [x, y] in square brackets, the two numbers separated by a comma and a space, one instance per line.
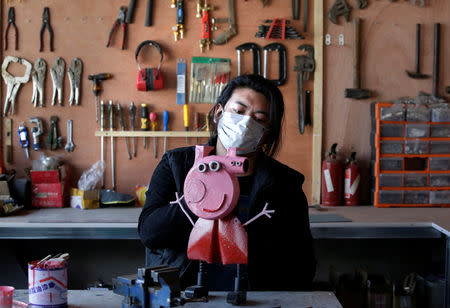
[111, 128]
[132, 118]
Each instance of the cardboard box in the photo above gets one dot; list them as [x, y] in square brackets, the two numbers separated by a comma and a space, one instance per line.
[50, 188]
[84, 199]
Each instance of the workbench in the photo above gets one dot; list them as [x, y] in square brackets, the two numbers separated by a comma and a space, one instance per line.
[104, 298]
[362, 222]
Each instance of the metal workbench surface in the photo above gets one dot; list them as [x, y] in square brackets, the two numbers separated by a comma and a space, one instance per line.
[102, 299]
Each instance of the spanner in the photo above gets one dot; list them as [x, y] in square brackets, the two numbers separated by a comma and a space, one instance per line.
[13, 83]
[57, 73]
[38, 75]
[74, 72]
[69, 145]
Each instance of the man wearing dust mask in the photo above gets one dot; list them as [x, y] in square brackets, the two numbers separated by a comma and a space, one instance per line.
[248, 115]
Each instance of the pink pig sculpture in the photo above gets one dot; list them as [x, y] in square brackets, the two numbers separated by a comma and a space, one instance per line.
[211, 191]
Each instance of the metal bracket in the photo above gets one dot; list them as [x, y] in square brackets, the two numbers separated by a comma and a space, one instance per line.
[328, 39]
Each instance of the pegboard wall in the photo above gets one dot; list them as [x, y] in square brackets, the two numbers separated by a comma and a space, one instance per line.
[81, 30]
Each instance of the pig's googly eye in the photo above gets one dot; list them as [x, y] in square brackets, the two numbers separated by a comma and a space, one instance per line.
[202, 167]
[214, 166]
[233, 163]
[238, 163]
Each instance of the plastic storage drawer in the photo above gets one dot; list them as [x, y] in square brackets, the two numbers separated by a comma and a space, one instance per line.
[440, 147]
[394, 113]
[416, 180]
[416, 147]
[440, 180]
[415, 197]
[440, 131]
[418, 113]
[390, 196]
[417, 130]
[439, 163]
[391, 130]
[440, 197]
[440, 114]
[391, 147]
[391, 180]
[391, 163]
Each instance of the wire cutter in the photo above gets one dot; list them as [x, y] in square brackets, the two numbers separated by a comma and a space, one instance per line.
[120, 21]
[46, 24]
[11, 22]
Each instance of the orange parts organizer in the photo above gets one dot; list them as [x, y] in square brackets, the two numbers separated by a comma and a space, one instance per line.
[412, 145]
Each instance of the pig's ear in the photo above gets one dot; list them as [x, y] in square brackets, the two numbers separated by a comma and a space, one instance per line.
[231, 151]
[202, 151]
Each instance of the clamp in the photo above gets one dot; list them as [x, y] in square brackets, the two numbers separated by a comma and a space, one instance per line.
[281, 62]
[13, 83]
[256, 56]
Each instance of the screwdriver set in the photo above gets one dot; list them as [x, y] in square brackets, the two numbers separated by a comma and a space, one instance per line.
[209, 76]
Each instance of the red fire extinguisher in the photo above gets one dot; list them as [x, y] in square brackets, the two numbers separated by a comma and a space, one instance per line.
[352, 179]
[332, 173]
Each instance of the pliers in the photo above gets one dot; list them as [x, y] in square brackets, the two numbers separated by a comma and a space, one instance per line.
[120, 21]
[46, 24]
[11, 22]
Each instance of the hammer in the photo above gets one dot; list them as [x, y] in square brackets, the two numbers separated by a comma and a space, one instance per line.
[356, 92]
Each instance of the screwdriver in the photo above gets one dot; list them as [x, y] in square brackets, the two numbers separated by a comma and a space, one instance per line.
[153, 122]
[166, 123]
[102, 128]
[196, 124]
[96, 88]
[132, 117]
[122, 125]
[186, 119]
[144, 121]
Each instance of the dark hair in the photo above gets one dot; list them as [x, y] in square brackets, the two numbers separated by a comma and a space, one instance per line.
[270, 92]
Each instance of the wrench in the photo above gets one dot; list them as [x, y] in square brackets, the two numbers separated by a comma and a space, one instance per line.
[69, 145]
[13, 83]
[74, 72]
[57, 73]
[38, 75]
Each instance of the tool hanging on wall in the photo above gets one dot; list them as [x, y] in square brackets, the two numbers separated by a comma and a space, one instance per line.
[23, 138]
[46, 25]
[166, 124]
[153, 122]
[144, 121]
[277, 29]
[11, 22]
[296, 9]
[148, 13]
[111, 129]
[102, 141]
[70, 146]
[282, 75]
[231, 31]
[186, 119]
[149, 78]
[256, 50]
[208, 77]
[57, 74]
[38, 74]
[178, 29]
[122, 126]
[436, 51]
[357, 92]
[36, 132]
[97, 88]
[417, 74]
[206, 27]
[53, 140]
[304, 65]
[119, 22]
[74, 72]
[13, 83]
[132, 110]
[305, 14]
[8, 140]
[130, 14]
[181, 81]
[339, 8]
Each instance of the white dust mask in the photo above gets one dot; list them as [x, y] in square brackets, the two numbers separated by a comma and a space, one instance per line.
[239, 131]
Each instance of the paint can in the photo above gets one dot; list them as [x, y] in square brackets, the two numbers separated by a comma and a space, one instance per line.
[47, 285]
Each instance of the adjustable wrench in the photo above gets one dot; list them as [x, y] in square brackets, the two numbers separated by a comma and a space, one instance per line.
[69, 145]
[57, 73]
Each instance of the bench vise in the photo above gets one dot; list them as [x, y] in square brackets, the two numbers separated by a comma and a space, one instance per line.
[152, 287]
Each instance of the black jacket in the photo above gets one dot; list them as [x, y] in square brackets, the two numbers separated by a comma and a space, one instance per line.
[280, 255]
